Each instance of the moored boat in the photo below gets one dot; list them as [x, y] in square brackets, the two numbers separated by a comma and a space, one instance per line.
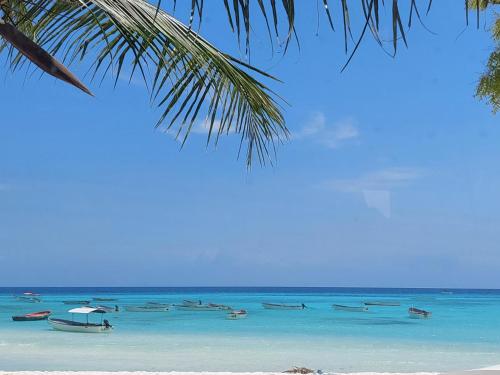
[219, 306]
[382, 303]
[418, 313]
[83, 327]
[40, 315]
[280, 306]
[350, 308]
[158, 304]
[108, 309]
[28, 298]
[146, 308]
[76, 302]
[197, 308]
[237, 314]
[187, 302]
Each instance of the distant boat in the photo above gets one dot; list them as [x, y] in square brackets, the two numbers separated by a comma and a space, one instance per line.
[382, 303]
[158, 304]
[418, 313]
[446, 291]
[31, 294]
[219, 306]
[108, 309]
[187, 302]
[279, 306]
[86, 327]
[76, 302]
[146, 308]
[40, 315]
[27, 298]
[350, 308]
[103, 299]
[237, 314]
[197, 307]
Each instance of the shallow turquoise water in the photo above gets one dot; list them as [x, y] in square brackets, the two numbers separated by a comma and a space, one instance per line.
[463, 333]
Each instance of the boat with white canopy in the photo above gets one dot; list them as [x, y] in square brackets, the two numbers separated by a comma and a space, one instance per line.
[86, 327]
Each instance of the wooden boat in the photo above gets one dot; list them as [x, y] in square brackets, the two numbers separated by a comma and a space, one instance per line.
[418, 313]
[350, 308]
[81, 303]
[382, 303]
[30, 299]
[103, 299]
[85, 327]
[279, 306]
[146, 308]
[40, 315]
[237, 314]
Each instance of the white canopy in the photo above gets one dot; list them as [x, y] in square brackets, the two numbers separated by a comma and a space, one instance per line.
[86, 310]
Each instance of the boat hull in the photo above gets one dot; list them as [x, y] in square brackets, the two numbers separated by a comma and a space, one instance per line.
[80, 303]
[419, 314]
[42, 315]
[382, 303]
[70, 326]
[350, 308]
[197, 308]
[146, 309]
[272, 306]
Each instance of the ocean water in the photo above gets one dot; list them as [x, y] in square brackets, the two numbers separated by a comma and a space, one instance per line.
[463, 332]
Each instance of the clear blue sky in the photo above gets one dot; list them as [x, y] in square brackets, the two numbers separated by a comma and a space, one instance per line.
[391, 177]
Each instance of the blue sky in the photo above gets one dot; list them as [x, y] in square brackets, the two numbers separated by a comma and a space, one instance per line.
[390, 178]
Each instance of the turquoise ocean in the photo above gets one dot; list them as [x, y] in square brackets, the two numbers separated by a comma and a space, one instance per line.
[463, 332]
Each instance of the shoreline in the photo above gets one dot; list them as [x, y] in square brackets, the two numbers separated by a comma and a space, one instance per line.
[487, 371]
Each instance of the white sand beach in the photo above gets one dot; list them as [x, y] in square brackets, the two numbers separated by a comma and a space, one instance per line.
[487, 371]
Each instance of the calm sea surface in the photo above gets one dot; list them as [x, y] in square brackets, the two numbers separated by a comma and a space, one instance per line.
[463, 333]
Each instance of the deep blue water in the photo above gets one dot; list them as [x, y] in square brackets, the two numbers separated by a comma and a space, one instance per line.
[463, 332]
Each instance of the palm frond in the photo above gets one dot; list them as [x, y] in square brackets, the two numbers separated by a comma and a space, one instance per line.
[186, 74]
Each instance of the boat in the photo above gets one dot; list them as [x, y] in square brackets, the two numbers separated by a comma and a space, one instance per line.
[30, 299]
[198, 307]
[418, 313]
[219, 306]
[40, 315]
[187, 302]
[108, 309]
[84, 327]
[31, 294]
[382, 303]
[158, 304]
[350, 308]
[76, 302]
[279, 306]
[146, 308]
[237, 314]
[103, 299]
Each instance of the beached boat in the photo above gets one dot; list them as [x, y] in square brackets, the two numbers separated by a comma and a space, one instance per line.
[29, 299]
[418, 313]
[382, 303]
[85, 327]
[280, 306]
[237, 314]
[40, 315]
[146, 308]
[76, 302]
[103, 299]
[350, 308]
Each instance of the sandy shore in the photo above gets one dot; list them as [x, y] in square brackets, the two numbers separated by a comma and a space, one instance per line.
[484, 371]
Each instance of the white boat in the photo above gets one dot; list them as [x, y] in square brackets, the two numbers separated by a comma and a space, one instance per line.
[350, 308]
[108, 309]
[84, 327]
[280, 306]
[237, 314]
[418, 313]
[157, 304]
[146, 308]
